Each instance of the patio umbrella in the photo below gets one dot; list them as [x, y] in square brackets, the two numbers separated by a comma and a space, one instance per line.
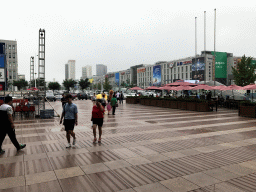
[153, 88]
[250, 87]
[136, 88]
[181, 84]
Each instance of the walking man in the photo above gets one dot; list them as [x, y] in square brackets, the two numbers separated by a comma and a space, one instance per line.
[121, 97]
[7, 125]
[70, 119]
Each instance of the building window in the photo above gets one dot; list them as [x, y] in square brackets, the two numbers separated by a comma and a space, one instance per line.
[174, 76]
[13, 55]
[178, 69]
[186, 68]
[182, 76]
[186, 75]
[178, 76]
[9, 47]
[10, 56]
[182, 69]
[13, 47]
[190, 67]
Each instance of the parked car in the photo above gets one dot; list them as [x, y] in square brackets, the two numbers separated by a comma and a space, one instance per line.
[50, 96]
[82, 96]
[58, 97]
[74, 96]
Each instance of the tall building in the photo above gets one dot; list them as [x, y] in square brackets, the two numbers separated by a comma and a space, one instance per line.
[11, 59]
[101, 69]
[86, 71]
[72, 69]
[66, 71]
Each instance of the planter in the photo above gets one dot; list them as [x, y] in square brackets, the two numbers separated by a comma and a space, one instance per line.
[166, 103]
[137, 100]
[247, 111]
[153, 102]
[159, 103]
[202, 107]
[191, 106]
[147, 102]
[174, 104]
[178, 104]
[183, 105]
[128, 100]
[142, 101]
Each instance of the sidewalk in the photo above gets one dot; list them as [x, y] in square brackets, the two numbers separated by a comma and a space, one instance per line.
[143, 148]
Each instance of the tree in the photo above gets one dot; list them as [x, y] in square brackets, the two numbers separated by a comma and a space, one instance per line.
[40, 82]
[54, 86]
[84, 83]
[123, 84]
[244, 72]
[69, 83]
[99, 86]
[22, 83]
[107, 85]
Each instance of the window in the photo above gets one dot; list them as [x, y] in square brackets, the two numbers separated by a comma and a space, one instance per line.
[190, 67]
[186, 75]
[174, 76]
[182, 76]
[10, 56]
[9, 47]
[181, 69]
[186, 68]
[178, 69]
[13, 55]
[178, 76]
[13, 47]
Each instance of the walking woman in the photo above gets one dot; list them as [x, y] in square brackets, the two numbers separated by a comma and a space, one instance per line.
[111, 92]
[97, 120]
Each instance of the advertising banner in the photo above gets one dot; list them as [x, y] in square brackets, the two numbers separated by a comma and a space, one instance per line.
[157, 75]
[1, 61]
[117, 79]
[198, 68]
[220, 64]
[2, 75]
[2, 86]
[141, 70]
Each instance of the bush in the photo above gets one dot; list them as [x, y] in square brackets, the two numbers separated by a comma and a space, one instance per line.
[247, 103]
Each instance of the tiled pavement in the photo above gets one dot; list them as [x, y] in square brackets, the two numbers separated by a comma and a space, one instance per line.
[143, 149]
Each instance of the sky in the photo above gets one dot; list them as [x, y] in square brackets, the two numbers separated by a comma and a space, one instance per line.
[121, 34]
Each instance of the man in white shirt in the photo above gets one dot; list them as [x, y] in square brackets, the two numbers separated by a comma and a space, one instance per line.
[118, 96]
[7, 125]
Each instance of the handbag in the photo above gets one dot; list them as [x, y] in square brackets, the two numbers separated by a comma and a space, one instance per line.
[116, 105]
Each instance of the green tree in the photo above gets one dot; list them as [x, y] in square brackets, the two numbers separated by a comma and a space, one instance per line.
[123, 84]
[99, 86]
[84, 83]
[244, 72]
[40, 82]
[54, 86]
[22, 83]
[107, 85]
[94, 86]
[69, 83]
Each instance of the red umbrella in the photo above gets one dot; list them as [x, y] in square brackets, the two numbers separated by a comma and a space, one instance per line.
[136, 88]
[180, 88]
[168, 88]
[234, 87]
[181, 84]
[153, 88]
[202, 86]
[249, 87]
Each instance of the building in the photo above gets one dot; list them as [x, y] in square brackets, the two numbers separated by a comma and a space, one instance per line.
[66, 71]
[101, 69]
[72, 69]
[86, 71]
[133, 71]
[21, 76]
[11, 59]
[125, 77]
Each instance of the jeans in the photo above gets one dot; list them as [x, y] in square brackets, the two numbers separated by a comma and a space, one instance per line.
[121, 101]
[12, 136]
[113, 110]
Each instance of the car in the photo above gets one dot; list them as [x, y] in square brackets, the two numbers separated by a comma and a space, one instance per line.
[82, 96]
[50, 96]
[74, 96]
[58, 97]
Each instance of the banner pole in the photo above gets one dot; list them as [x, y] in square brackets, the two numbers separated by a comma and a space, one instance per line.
[214, 46]
[195, 45]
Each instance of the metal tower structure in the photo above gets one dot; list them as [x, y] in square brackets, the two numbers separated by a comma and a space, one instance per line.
[41, 71]
[32, 70]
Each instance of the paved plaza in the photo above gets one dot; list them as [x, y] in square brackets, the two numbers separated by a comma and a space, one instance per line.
[144, 149]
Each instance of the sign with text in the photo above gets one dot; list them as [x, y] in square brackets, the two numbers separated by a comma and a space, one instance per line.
[198, 68]
[220, 64]
[1, 61]
[141, 70]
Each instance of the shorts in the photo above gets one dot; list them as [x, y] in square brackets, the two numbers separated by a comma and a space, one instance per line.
[69, 124]
[97, 121]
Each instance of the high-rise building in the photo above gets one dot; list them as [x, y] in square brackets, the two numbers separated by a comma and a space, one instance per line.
[101, 69]
[11, 59]
[66, 71]
[72, 69]
[86, 71]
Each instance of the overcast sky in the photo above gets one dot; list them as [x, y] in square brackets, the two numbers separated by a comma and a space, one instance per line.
[120, 34]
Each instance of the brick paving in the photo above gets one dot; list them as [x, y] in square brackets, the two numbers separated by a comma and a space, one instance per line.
[143, 149]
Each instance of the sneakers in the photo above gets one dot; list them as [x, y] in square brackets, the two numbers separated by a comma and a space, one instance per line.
[22, 146]
[74, 141]
[2, 151]
[68, 146]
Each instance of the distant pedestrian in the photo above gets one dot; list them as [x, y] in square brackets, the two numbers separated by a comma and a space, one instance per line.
[111, 92]
[118, 96]
[69, 114]
[7, 125]
[121, 98]
[63, 100]
[97, 119]
[113, 104]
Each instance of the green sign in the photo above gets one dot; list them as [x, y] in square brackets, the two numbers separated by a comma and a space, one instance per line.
[220, 64]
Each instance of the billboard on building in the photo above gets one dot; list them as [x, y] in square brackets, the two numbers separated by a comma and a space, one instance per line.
[157, 75]
[2, 75]
[2, 86]
[1, 61]
[198, 69]
[117, 79]
[220, 64]
[2, 49]
[141, 70]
